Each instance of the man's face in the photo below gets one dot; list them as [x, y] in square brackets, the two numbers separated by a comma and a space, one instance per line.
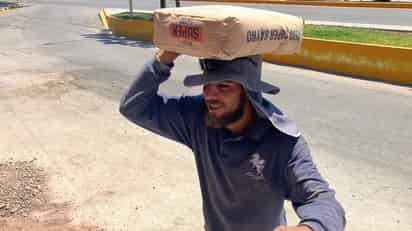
[225, 102]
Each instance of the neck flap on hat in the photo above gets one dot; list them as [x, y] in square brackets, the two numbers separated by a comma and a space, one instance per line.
[278, 119]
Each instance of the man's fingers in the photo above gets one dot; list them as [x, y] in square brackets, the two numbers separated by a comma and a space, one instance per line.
[166, 57]
[280, 228]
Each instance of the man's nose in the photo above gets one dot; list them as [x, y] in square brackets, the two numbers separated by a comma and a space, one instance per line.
[210, 91]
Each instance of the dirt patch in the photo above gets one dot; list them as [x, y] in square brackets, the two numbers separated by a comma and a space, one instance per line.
[21, 188]
[24, 204]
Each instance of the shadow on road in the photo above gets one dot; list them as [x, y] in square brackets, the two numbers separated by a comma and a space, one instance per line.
[107, 37]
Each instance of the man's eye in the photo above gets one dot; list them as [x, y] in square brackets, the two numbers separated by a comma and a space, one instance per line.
[223, 86]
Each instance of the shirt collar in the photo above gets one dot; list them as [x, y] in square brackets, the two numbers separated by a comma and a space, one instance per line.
[257, 129]
[254, 132]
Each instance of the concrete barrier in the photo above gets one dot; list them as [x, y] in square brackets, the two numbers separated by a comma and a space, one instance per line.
[400, 5]
[134, 29]
[391, 64]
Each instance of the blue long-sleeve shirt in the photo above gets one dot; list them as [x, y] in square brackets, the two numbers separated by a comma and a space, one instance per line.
[245, 178]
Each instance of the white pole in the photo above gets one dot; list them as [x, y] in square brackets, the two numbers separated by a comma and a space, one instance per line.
[131, 6]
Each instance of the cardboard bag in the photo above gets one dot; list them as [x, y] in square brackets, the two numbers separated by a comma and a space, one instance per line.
[226, 32]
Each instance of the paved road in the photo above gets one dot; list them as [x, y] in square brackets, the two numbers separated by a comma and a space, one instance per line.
[402, 17]
[360, 131]
[344, 14]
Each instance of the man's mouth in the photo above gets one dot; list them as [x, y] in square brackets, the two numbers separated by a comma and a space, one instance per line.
[213, 106]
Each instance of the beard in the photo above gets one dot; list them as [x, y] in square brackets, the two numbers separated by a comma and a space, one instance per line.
[228, 117]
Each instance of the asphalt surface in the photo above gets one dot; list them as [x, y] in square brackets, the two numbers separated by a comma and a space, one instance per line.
[360, 131]
[400, 17]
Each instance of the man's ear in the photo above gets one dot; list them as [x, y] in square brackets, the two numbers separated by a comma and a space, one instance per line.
[253, 109]
[248, 103]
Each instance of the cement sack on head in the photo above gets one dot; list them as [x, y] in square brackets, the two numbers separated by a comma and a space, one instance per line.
[226, 32]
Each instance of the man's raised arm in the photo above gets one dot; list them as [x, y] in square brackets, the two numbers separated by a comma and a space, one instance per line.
[142, 105]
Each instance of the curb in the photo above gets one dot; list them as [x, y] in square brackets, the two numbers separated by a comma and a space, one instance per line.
[385, 63]
[135, 29]
[12, 6]
[399, 5]
[3, 9]
[390, 64]
[103, 17]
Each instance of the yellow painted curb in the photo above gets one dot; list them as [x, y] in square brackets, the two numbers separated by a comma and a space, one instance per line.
[401, 5]
[12, 6]
[103, 16]
[135, 29]
[2, 9]
[390, 64]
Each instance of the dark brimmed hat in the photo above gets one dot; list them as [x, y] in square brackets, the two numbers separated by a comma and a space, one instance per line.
[245, 70]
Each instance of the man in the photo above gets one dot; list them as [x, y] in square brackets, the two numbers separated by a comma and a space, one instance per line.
[250, 157]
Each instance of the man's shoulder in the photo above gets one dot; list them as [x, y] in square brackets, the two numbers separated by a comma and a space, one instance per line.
[279, 138]
[284, 147]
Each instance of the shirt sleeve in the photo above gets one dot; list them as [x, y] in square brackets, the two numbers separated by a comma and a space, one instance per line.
[142, 105]
[312, 198]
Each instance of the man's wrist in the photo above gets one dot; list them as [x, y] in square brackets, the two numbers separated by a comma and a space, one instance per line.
[300, 227]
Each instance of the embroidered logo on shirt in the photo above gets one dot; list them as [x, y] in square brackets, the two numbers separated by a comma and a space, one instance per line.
[258, 164]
